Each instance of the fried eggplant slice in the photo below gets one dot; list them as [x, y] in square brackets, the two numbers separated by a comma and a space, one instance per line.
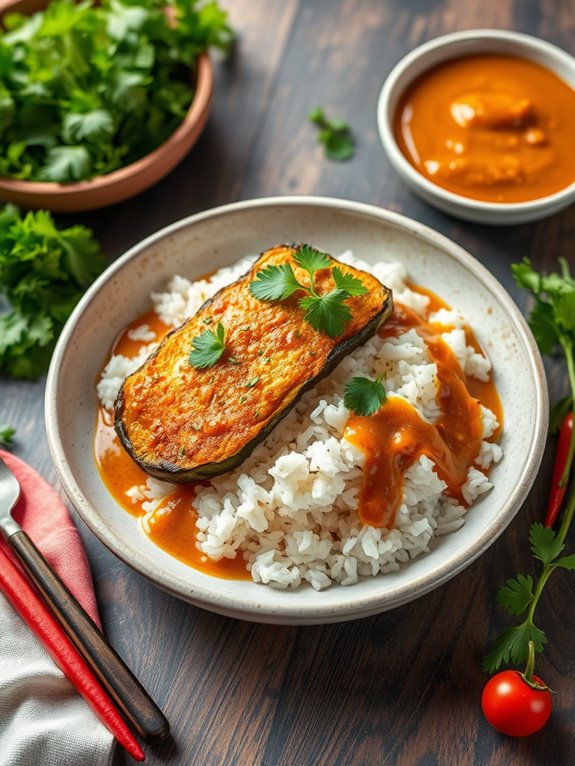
[184, 424]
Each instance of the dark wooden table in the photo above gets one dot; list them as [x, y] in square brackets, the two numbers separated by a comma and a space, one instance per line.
[399, 688]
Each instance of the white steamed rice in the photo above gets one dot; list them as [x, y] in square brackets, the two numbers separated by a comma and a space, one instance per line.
[291, 508]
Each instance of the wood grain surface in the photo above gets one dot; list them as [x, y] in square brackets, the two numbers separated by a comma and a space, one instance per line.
[402, 687]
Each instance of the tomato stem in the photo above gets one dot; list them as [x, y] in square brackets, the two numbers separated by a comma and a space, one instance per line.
[530, 666]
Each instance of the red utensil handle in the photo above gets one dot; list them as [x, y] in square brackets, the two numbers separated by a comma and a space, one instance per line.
[108, 667]
[41, 622]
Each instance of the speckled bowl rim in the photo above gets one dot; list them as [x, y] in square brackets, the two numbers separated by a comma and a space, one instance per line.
[457, 45]
[349, 606]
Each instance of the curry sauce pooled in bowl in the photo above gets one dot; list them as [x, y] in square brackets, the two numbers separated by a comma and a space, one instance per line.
[363, 435]
[494, 128]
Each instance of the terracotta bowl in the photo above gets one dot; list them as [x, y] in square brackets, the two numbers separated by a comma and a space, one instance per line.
[129, 180]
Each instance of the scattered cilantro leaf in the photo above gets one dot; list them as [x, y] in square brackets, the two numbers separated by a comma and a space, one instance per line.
[335, 135]
[364, 396]
[6, 436]
[253, 382]
[43, 273]
[325, 312]
[207, 347]
[87, 88]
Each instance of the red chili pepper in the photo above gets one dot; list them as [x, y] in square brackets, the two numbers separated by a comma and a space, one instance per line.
[558, 488]
[35, 614]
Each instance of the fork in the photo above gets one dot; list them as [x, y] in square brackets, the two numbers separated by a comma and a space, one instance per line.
[117, 679]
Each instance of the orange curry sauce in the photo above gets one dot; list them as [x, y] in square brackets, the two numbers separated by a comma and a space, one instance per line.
[396, 436]
[392, 440]
[491, 127]
[172, 526]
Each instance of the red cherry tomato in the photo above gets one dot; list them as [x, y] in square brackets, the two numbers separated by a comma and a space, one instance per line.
[514, 707]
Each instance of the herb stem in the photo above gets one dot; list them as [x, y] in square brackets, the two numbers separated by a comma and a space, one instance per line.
[543, 577]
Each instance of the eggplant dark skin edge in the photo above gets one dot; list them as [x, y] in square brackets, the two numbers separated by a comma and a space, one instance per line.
[172, 473]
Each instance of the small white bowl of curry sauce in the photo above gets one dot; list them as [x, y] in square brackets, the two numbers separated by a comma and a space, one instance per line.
[480, 125]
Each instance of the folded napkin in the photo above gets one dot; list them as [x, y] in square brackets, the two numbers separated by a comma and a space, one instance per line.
[43, 720]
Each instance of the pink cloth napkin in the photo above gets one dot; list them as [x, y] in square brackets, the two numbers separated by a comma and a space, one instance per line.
[43, 720]
[43, 515]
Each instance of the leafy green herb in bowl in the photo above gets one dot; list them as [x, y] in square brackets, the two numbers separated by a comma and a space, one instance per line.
[99, 100]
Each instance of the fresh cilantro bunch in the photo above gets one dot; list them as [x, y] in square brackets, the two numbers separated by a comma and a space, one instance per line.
[327, 312]
[43, 273]
[552, 321]
[86, 89]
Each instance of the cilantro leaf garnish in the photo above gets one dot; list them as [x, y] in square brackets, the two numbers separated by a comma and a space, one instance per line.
[364, 396]
[334, 134]
[207, 347]
[352, 285]
[275, 283]
[325, 312]
[552, 321]
[6, 436]
[312, 260]
[43, 273]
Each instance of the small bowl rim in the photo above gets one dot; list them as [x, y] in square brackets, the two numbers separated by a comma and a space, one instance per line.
[449, 43]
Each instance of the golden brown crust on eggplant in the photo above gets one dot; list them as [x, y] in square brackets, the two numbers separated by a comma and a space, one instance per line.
[184, 424]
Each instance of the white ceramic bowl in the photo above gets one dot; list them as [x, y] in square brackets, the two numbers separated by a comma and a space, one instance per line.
[456, 45]
[218, 237]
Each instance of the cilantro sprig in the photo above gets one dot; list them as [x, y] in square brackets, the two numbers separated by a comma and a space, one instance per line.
[6, 436]
[43, 272]
[325, 312]
[208, 347]
[90, 87]
[364, 396]
[334, 134]
[552, 321]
